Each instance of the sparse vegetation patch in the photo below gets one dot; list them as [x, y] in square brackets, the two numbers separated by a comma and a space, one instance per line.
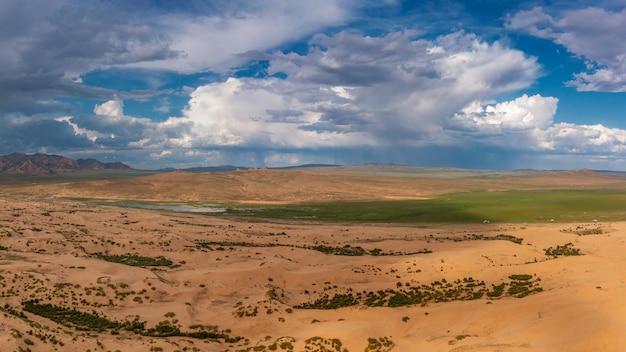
[584, 230]
[438, 291]
[135, 260]
[94, 322]
[346, 250]
[476, 237]
[320, 344]
[565, 250]
[381, 344]
[70, 317]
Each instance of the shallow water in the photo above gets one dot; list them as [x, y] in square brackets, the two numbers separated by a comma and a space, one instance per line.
[179, 208]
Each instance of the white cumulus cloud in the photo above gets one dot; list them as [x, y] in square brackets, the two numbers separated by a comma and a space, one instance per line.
[111, 108]
[592, 33]
[352, 91]
[241, 112]
[399, 87]
[526, 123]
[522, 114]
[348, 91]
[582, 139]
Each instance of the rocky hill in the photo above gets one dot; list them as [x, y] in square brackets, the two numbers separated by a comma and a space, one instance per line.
[93, 164]
[45, 164]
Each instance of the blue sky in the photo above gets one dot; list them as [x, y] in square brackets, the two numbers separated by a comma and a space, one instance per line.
[164, 83]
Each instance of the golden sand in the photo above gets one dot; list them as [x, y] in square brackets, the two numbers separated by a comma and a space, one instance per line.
[51, 247]
[50, 251]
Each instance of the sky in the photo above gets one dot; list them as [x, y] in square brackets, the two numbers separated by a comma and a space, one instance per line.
[482, 84]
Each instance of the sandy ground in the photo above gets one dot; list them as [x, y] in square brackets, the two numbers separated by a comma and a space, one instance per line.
[50, 246]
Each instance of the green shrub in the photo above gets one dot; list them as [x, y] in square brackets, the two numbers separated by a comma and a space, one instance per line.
[135, 260]
[563, 250]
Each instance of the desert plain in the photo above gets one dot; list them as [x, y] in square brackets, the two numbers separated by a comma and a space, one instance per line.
[256, 260]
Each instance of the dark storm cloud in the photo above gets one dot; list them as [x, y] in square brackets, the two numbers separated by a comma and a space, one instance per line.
[49, 44]
[344, 117]
[285, 115]
[39, 134]
[346, 59]
[113, 133]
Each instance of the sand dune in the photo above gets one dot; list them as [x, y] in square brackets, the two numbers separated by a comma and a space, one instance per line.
[251, 281]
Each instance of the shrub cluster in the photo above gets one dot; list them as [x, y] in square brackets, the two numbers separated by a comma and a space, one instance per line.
[94, 322]
[135, 260]
[346, 250]
[438, 291]
[564, 250]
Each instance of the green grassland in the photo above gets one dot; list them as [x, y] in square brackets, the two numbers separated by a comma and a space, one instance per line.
[467, 207]
[512, 206]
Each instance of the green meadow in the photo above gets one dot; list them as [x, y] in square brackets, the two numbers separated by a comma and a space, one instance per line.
[467, 207]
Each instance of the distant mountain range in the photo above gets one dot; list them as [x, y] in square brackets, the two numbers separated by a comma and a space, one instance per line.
[45, 164]
[50, 164]
[206, 168]
[221, 168]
